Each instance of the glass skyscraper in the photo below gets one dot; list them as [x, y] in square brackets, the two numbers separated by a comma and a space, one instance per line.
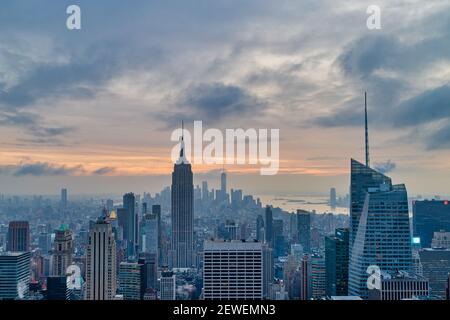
[304, 230]
[430, 216]
[14, 275]
[336, 263]
[379, 221]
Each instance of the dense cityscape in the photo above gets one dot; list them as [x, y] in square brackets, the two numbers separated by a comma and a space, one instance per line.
[210, 158]
[188, 243]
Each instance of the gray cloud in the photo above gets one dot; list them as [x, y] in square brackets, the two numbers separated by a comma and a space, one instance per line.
[213, 102]
[439, 138]
[104, 171]
[45, 169]
[428, 106]
[32, 123]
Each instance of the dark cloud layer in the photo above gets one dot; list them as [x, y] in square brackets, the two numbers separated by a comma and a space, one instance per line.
[41, 169]
[213, 102]
[104, 171]
[45, 169]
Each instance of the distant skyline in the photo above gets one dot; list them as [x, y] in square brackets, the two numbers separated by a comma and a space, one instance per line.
[92, 110]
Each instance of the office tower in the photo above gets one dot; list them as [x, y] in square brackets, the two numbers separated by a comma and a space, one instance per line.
[436, 267]
[430, 216]
[129, 226]
[149, 233]
[15, 274]
[233, 270]
[144, 208]
[441, 239]
[268, 271]
[269, 226]
[223, 186]
[57, 288]
[290, 267]
[182, 213]
[400, 286]
[64, 198]
[150, 269]
[260, 228]
[18, 236]
[318, 283]
[205, 192]
[167, 285]
[304, 230]
[45, 242]
[62, 251]
[333, 198]
[380, 232]
[131, 280]
[109, 204]
[156, 210]
[293, 233]
[278, 240]
[236, 198]
[337, 262]
[223, 182]
[101, 262]
[305, 278]
[232, 230]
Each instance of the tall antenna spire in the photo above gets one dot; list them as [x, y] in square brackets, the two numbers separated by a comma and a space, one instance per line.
[366, 131]
[182, 130]
[182, 158]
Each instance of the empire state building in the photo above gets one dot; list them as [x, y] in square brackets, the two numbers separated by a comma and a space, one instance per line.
[182, 213]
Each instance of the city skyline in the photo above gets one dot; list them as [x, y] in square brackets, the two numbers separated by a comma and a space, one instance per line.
[106, 127]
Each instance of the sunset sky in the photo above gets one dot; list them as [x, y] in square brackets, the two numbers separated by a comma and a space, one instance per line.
[93, 109]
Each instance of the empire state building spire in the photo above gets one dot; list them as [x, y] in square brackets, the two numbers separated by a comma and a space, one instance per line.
[182, 158]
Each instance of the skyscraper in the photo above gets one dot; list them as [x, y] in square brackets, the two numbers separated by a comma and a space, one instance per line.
[205, 192]
[15, 275]
[18, 236]
[333, 198]
[269, 226]
[62, 251]
[167, 285]
[101, 262]
[233, 270]
[260, 228]
[304, 230]
[223, 186]
[149, 233]
[182, 213]
[130, 235]
[436, 267]
[337, 262]
[318, 279]
[57, 288]
[305, 278]
[380, 232]
[64, 198]
[268, 271]
[430, 216]
[131, 280]
[150, 269]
